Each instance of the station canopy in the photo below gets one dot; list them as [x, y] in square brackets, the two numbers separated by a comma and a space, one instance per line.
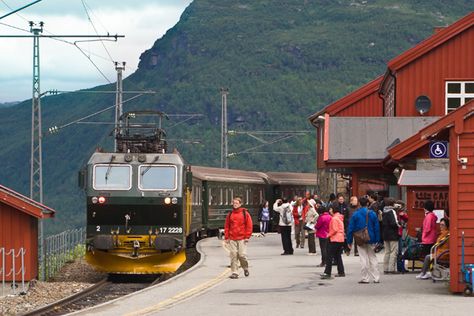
[368, 138]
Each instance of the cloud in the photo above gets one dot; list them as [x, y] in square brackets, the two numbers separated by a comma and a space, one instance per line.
[63, 66]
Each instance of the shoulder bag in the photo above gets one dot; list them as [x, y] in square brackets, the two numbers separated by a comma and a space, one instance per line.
[361, 237]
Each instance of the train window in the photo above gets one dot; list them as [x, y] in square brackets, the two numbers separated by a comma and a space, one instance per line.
[210, 196]
[214, 197]
[112, 177]
[157, 177]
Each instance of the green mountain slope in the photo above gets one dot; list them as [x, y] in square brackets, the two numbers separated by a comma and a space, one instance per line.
[281, 60]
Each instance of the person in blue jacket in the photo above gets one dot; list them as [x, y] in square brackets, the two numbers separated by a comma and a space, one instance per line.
[367, 256]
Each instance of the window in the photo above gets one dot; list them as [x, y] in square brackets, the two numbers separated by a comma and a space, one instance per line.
[157, 177]
[112, 177]
[458, 93]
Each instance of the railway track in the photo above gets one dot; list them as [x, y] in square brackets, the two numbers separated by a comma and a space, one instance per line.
[110, 288]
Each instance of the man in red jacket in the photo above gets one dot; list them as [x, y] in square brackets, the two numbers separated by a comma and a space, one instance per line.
[238, 229]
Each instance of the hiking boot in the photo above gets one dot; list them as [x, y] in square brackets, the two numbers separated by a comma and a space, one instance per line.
[234, 276]
[246, 273]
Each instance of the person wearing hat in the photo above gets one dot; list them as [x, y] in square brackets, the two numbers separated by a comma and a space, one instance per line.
[310, 217]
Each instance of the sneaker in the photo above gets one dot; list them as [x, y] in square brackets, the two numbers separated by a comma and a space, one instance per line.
[234, 276]
[246, 273]
[419, 276]
[426, 276]
[363, 282]
[311, 254]
[376, 282]
[341, 275]
[325, 276]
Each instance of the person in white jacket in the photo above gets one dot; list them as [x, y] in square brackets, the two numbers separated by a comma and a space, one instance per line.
[285, 210]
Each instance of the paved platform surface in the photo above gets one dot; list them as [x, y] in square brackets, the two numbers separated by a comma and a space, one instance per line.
[285, 285]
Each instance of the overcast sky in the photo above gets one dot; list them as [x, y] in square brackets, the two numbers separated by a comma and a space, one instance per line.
[63, 66]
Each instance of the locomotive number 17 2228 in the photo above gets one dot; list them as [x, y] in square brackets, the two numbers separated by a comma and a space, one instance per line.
[171, 230]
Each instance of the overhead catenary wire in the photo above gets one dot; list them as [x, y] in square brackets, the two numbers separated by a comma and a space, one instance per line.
[85, 6]
[56, 128]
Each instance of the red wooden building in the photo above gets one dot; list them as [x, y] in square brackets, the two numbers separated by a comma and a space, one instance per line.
[457, 129]
[382, 113]
[19, 229]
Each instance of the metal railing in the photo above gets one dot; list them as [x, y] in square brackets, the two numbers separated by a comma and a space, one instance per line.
[13, 273]
[60, 249]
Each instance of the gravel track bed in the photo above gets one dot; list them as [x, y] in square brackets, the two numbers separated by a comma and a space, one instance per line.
[73, 278]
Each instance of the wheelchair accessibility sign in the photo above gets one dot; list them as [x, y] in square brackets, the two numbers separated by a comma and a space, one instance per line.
[439, 150]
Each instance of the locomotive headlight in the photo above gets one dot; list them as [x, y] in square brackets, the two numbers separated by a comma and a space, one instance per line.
[94, 200]
[174, 200]
[167, 200]
[101, 200]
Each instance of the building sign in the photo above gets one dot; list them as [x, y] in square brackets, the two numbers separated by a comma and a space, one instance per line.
[439, 150]
[440, 199]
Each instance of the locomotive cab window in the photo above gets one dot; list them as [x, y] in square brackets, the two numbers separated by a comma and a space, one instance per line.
[157, 177]
[112, 177]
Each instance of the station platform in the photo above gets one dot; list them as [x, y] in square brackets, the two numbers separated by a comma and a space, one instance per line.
[284, 285]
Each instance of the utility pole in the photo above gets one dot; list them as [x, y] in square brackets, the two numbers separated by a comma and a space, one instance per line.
[224, 148]
[120, 67]
[36, 166]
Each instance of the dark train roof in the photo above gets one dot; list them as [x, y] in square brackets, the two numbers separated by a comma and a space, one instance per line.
[228, 175]
[232, 175]
[292, 178]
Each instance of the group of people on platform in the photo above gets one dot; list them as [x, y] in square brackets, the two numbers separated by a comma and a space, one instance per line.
[338, 227]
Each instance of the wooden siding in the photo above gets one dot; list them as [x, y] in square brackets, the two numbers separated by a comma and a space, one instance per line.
[19, 230]
[370, 105]
[427, 75]
[462, 191]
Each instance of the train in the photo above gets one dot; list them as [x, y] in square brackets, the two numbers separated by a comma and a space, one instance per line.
[145, 205]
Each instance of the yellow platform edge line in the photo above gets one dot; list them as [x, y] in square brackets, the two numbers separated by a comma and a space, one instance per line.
[180, 297]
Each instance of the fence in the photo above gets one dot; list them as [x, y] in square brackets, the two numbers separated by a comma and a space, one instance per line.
[60, 249]
[13, 273]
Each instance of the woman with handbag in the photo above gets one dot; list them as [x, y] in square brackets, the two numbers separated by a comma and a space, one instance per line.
[365, 223]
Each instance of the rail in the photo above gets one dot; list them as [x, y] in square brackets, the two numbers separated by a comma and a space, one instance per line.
[62, 248]
[13, 273]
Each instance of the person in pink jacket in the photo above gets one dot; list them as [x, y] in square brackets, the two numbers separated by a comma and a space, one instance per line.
[336, 244]
[322, 231]
[429, 236]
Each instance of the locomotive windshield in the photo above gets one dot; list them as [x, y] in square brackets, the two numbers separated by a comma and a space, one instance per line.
[112, 177]
[157, 177]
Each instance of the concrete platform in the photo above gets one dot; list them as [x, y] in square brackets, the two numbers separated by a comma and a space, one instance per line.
[285, 285]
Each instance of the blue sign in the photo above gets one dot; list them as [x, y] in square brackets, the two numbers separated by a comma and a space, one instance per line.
[439, 150]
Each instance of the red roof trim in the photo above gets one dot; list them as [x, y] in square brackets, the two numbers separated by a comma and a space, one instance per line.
[432, 42]
[350, 99]
[422, 138]
[25, 204]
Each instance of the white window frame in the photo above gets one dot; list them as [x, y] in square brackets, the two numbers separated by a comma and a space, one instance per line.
[112, 188]
[462, 95]
[159, 165]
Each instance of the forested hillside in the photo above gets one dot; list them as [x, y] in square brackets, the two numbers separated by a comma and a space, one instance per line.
[280, 60]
